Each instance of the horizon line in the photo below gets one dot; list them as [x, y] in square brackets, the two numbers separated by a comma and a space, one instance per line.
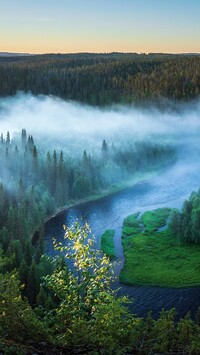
[88, 52]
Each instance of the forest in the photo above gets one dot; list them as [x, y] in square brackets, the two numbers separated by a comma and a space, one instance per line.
[104, 79]
[42, 299]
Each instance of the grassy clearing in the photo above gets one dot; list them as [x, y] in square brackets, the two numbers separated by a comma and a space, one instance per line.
[153, 220]
[157, 259]
[107, 243]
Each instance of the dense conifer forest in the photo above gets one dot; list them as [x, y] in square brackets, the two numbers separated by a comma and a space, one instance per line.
[102, 79]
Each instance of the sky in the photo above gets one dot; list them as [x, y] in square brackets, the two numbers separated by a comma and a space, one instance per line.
[70, 26]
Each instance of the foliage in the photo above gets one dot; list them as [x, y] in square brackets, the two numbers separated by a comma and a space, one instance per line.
[107, 243]
[87, 311]
[88, 276]
[185, 225]
[17, 320]
[84, 314]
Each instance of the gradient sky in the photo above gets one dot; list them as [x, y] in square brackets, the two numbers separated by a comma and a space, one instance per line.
[44, 26]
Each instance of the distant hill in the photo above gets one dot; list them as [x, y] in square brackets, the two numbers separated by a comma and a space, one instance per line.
[10, 54]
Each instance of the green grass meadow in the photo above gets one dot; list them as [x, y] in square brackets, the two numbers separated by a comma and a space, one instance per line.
[155, 258]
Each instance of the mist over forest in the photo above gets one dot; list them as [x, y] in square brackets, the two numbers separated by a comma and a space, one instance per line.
[55, 121]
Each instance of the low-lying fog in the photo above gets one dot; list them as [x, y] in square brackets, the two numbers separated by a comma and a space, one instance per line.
[70, 126]
[58, 123]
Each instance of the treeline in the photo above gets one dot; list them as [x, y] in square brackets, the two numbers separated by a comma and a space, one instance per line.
[185, 224]
[101, 79]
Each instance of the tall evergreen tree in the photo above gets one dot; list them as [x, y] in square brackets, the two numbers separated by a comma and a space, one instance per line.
[23, 137]
[31, 290]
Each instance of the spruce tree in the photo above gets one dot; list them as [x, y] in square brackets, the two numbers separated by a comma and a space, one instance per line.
[23, 272]
[32, 284]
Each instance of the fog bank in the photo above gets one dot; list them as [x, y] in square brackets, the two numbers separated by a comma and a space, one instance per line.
[51, 118]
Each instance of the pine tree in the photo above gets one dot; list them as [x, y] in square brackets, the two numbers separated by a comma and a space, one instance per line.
[2, 139]
[35, 165]
[15, 251]
[42, 298]
[61, 185]
[32, 284]
[11, 223]
[39, 249]
[30, 143]
[23, 137]
[104, 150]
[54, 172]
[28, 253]
[49, 173]
[2, 203]
[21, 191]
[23, 272]
[8, 138]
[6, 238]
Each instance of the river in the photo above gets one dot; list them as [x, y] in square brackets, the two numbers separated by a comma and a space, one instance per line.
[168, 189]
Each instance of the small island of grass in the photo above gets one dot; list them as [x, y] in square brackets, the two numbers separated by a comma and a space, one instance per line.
[107, 243]
[156, 258]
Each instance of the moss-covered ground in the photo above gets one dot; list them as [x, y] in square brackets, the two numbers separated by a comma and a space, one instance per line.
[107, 243]
[155, 258]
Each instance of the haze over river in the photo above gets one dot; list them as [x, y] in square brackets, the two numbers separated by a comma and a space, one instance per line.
[168, 189]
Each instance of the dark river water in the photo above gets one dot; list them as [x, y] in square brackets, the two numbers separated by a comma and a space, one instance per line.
[168, 189]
